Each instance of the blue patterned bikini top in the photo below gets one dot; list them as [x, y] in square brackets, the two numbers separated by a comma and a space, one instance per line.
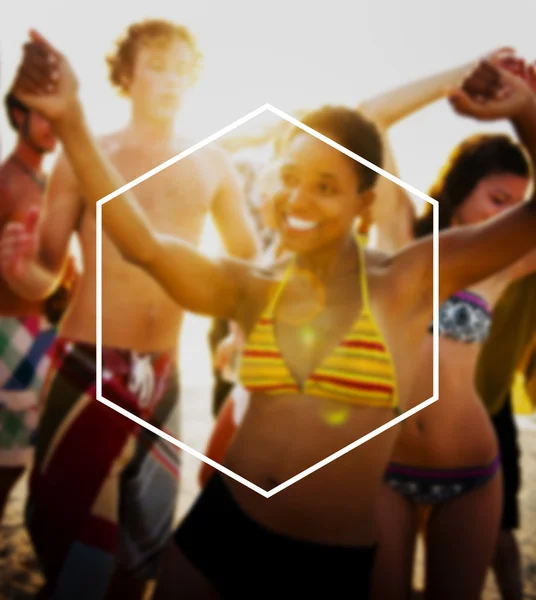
[464, 317]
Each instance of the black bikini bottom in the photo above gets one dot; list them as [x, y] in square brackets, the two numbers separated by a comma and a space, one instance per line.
[243, 559]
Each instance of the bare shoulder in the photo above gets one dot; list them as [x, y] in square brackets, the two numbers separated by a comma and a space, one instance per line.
[183, 143]
[7, 197]
[216, 152]
[6, 188]
[5, 177]
[377, 259]
[14, 191]
[220, 160]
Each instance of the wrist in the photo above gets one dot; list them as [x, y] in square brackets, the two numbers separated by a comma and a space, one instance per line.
[71, 119]
[456, 76]
[526, 113]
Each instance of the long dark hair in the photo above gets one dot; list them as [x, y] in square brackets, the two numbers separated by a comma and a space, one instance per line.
[476, 157]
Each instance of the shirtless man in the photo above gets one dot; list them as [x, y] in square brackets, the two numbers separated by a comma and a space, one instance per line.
[25, 335]
[94, 517]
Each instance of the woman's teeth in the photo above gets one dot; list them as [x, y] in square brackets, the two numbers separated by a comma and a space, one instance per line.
[300, 224]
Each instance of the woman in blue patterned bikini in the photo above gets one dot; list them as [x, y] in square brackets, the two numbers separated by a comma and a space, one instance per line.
[446, 465]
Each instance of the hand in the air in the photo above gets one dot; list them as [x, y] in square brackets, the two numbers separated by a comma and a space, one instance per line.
[18, 246]
[490, 93]
[506, 58]
[45, 81]
[531, 76]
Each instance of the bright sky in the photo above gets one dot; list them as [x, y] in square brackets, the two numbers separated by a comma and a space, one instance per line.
[292, 53]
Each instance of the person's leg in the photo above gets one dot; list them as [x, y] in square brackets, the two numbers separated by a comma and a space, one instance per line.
[45, 593]
[460, 540]
[82, 449]
[8, 479]
[149, 495]
[206, 551]
[397, 530]
[507, 566]
[179, 578]
[18, 418]
[123, 585]
[24, 342]
[74, 527]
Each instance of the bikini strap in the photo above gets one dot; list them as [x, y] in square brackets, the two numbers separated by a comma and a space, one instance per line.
[363, 237]
[275, 298]
[363, 276]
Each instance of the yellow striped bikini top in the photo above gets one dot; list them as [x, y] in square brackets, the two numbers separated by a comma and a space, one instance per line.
[358, 371]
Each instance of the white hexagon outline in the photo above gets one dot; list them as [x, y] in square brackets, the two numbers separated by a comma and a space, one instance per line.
[349, 447]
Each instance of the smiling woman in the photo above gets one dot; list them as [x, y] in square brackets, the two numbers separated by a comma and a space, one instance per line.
[323, 190]
[354, 352]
